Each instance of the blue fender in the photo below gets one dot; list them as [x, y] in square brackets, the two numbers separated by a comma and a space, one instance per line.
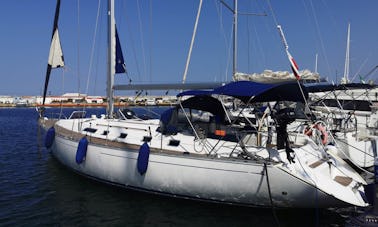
[50, 136]
[81, 150]
[143, 156]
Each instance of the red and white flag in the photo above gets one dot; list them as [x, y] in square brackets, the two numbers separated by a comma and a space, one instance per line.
[293, 65]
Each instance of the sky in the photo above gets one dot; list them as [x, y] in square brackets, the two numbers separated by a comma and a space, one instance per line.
[155, 37]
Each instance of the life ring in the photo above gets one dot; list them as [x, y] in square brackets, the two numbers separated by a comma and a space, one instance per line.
[319, 126]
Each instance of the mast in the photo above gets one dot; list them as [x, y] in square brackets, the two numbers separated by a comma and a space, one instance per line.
[234, 34]
[316, 63]
[235, 38]
[346, 67]
[111, 59]
[235, 14]
[192, 42]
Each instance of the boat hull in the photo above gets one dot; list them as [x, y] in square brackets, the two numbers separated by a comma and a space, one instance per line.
[217, 180]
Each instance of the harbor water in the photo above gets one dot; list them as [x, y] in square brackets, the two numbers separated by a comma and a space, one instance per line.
[36, 190]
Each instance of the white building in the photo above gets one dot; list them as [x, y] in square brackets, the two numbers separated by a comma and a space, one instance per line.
[94, 99]
[5, 99]
[68, 97]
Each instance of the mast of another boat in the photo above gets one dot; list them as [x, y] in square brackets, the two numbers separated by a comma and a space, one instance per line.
[316, 63]
[235, 14]
[234, 35]
[235, 40]
[345, 79]
[111, 59]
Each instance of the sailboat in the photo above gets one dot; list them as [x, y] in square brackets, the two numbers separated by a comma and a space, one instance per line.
[351, 112]
[196, 151]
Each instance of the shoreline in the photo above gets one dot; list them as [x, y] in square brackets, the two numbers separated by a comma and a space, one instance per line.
[79, 105]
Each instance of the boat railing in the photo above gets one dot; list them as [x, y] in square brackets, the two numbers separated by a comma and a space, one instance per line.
[77, 114]
[56, 116]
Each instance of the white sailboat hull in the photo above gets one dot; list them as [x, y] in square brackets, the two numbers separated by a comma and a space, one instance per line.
[360, 151]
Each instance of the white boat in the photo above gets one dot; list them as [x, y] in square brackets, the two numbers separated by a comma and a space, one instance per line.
[195, 152]
[351, 115]
[349, 110]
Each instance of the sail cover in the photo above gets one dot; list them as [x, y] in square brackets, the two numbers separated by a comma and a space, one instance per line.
[56, 59]
[248, 91]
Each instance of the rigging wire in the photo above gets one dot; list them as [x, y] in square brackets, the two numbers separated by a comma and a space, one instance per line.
[360, 68]
[320, 37]
[132, 45]
[141, 37]
[292, 62]
[93, 48]
[256, 44]
[150, 40]
[78, 46]
[101, 31]
[272, 12]
[226, 42]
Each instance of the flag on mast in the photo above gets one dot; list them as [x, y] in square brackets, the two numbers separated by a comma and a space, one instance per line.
[120, 66]
[293, 65]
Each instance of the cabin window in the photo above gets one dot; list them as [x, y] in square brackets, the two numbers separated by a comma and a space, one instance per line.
[174, 143]
[106, 132]
[92, 130]
[123, 135]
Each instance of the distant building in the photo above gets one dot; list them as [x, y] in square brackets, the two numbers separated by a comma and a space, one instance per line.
[24, 100]
[68, 97]
[94, 99]
[6, 99]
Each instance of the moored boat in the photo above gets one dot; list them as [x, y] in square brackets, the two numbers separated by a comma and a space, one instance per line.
[195, 151]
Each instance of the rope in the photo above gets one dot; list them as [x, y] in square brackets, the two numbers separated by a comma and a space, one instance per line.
[270, 196]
